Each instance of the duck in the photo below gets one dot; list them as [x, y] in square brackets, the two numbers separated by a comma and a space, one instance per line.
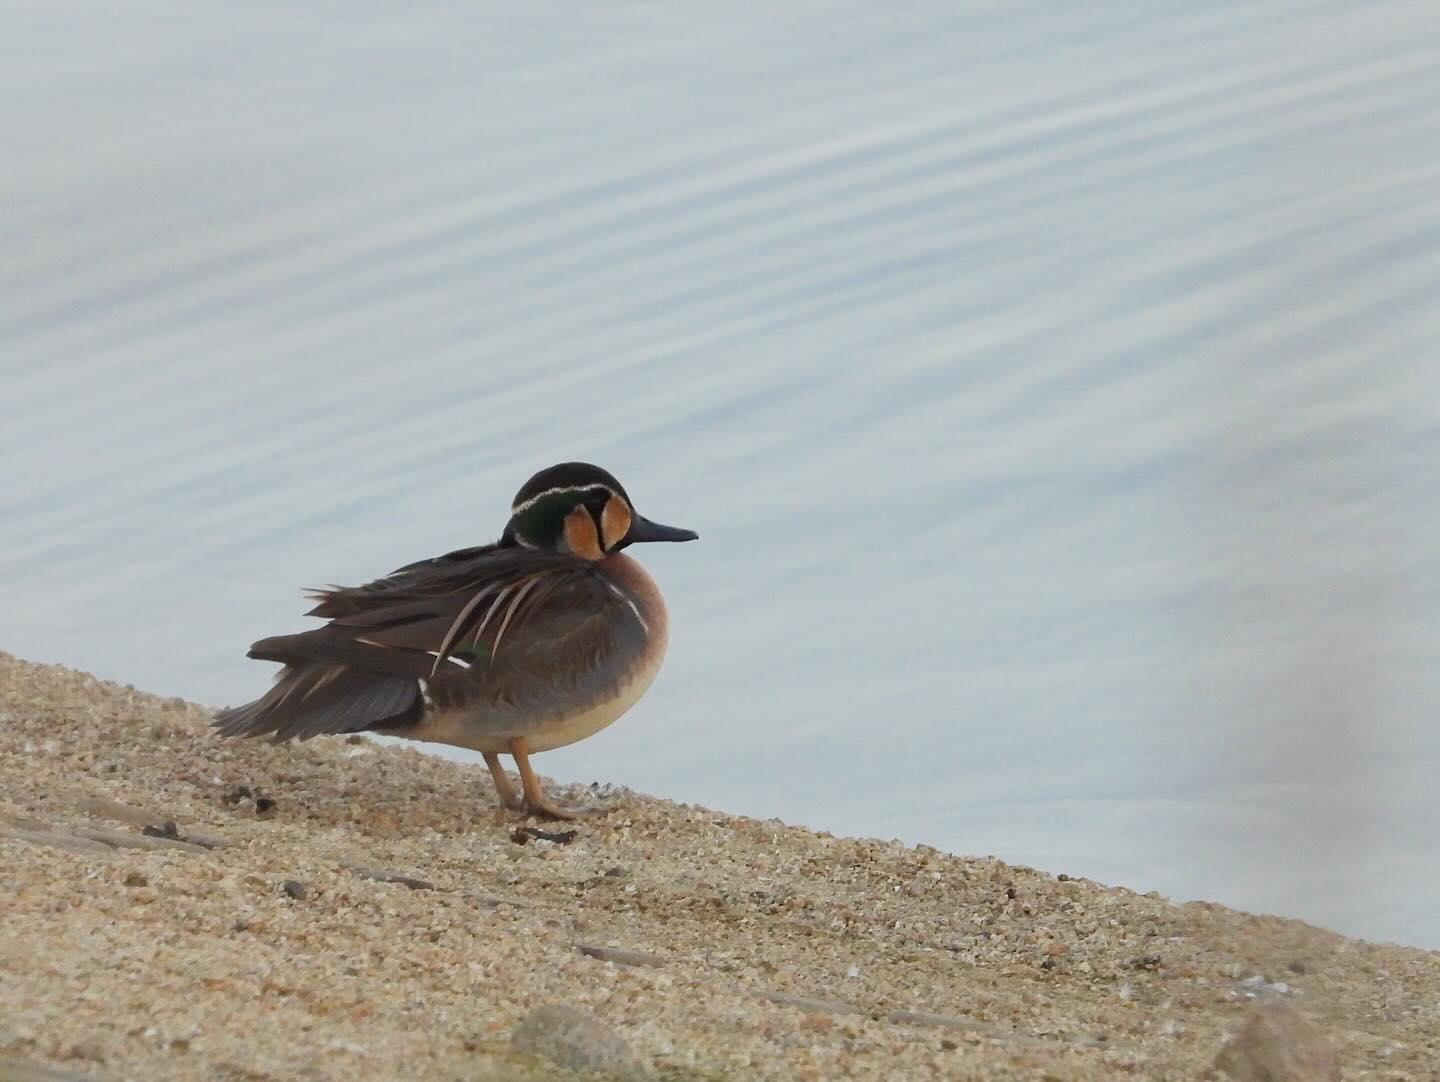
[516, 647]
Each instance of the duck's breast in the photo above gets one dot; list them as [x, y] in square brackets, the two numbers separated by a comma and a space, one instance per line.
[638, 591]
[567, 673]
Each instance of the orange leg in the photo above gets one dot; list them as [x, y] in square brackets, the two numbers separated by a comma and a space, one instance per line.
[508, 796]
[534, 798]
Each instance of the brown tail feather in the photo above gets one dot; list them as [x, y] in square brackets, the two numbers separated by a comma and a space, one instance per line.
[314, 697]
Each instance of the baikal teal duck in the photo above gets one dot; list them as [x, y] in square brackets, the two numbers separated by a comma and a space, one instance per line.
[530, 643]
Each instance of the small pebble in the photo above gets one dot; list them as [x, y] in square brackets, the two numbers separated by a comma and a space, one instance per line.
[577, 1041]
[1256, 985]
[90, 1048]
[1277, 1044]
[521, 835]
[620, 956]
[379, 875]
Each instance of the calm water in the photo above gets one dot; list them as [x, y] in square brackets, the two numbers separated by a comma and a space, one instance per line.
[1056, 391]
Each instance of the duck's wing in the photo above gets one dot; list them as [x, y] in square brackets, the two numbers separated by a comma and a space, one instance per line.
[436, 577]
[486, 625]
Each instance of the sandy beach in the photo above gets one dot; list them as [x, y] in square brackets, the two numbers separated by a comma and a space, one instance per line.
[177, 906]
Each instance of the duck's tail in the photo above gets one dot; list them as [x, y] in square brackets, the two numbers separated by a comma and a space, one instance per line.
[315, 695]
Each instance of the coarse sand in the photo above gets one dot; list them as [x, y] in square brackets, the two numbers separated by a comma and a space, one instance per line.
[178, 906]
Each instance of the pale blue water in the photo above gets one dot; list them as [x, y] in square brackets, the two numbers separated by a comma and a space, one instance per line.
[1055, 389]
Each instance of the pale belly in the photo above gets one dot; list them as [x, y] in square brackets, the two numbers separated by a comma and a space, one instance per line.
[589, 722]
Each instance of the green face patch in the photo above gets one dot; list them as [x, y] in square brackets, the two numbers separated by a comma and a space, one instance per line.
[540, 522]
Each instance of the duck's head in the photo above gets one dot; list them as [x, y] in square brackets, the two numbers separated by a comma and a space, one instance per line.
[580, 509]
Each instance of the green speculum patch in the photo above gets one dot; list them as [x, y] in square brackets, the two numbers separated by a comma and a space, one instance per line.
[470, 652]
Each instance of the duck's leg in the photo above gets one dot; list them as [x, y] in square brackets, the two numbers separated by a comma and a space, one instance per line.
[508, 796]
[534, 798]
